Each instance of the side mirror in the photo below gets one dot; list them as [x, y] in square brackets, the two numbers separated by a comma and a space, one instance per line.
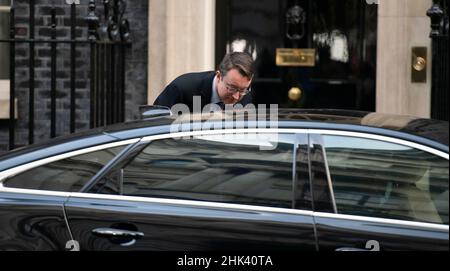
[154, 111]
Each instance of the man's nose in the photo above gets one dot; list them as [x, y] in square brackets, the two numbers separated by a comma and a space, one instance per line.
[236, 95]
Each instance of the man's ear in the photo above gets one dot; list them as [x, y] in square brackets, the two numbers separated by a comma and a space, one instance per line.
[218, 74]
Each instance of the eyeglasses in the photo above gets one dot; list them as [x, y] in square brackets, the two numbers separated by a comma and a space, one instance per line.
[234, 89]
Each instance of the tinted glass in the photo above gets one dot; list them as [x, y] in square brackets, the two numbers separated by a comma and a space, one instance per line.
[250, 170]
[379, 179]
[67, 175]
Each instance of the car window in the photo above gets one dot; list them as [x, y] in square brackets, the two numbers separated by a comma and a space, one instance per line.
[242, 169]
[381, 179]
[67, 175]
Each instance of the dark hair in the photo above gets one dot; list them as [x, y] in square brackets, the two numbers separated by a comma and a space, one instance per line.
[243, 62]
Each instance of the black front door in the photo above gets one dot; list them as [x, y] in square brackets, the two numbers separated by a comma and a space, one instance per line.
[343, 33]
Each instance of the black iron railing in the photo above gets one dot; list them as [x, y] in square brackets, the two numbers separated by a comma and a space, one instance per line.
[107, 41]
[440, 50]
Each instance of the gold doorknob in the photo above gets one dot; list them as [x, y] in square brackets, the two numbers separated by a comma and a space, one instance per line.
[295, 94]
[419, 63]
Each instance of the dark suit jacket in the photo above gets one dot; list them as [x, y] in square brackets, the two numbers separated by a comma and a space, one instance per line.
[184, 88]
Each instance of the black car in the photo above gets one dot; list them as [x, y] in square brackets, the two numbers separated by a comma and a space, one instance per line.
[318, 180]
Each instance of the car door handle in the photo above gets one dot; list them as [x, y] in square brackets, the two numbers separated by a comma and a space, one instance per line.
[110, 232]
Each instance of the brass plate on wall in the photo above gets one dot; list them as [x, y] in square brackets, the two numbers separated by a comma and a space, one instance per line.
[290, 57]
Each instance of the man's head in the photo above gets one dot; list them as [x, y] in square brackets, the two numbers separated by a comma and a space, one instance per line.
[234, 77]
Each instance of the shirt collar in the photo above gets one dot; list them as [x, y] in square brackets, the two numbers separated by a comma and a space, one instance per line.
[214, 95]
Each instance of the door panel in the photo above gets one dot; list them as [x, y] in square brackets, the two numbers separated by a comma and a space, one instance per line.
[168, 226]
[226, 192]
[336, 233]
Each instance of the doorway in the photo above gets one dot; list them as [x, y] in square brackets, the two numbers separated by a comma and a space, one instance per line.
[342, 33]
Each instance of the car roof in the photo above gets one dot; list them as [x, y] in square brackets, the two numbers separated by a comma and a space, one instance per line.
[433, 133]
[431, 129]
[435, 130]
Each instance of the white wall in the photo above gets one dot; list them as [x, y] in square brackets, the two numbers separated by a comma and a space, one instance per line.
[402, 24]
[181, 40]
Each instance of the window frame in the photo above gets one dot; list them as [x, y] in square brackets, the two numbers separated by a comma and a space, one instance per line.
[382, 138]
[32, 165]
[299, 135]
[308, 131]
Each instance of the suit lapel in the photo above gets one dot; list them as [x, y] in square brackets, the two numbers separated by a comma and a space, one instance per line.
[206, 88]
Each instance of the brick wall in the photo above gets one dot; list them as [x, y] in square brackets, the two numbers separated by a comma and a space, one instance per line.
[136, 68]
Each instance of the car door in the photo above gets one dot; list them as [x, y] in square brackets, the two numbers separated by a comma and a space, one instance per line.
[382, 193]
[202, 192]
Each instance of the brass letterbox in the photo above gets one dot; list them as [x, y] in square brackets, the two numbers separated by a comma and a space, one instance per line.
[292, 57]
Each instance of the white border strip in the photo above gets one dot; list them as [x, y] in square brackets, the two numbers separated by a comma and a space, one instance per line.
[384, 221]
[222, 132]
[22, 168]
[192, 203]
[181, 203]
[382, 138]
[34, 192]
[230, 206]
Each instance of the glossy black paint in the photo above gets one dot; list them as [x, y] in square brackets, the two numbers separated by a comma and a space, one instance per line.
[179, 227]
[337, 233]
[32, 222]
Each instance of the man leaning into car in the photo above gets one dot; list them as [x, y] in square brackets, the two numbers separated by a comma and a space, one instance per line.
[229, 85]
